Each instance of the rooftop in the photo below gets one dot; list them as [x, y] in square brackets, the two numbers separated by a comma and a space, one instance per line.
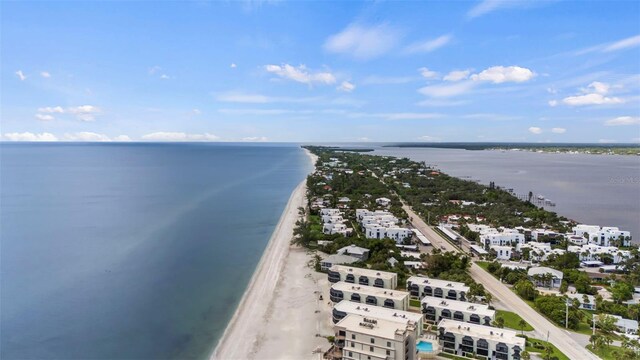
[376, 327]
[455, 305]
[420, 280]
[370, 290]
[378, 312]
[339, 259]
[352, 249]
[541, 270]
[364, 272]
[481, 331]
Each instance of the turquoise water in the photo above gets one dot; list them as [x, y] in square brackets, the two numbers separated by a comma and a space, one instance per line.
[132, 251]
[424, 346]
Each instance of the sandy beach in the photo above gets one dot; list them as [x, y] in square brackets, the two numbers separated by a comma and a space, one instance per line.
[280, 315]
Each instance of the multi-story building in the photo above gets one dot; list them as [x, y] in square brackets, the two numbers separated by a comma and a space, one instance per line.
[435, 309]
[593, 252]
[486, 342]
[360, 337]
[345, 307]
[545, 277]
[420, 287]
[603, 236]
[376, 278]
[505, 238]
[369, 295]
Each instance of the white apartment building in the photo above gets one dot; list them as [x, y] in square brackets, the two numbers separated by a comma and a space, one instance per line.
[435, 309]
[330, 212]
[537, 251]
[381, 224]
[361, 338]
[603, 236]
[506, 238]
[383, 201]
[420, 287]
[462, 338]
[336, 228]
[502, 252]
[354, 275]
[593, 252]
[345, 307]
[369, 295]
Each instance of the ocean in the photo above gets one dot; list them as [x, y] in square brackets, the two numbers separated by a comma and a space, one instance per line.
[594, 189]
[133, 251]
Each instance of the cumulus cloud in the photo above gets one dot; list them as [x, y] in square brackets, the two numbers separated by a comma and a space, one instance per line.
[45, 74]
[558, 130]
[84, 112]
[594, 94]
[447, 90]
[363, 42]
[86, 136]
[501, 74]
[346, 87]
[535, 130]
[427, 74]
[301, 74]
[51, 109]
[428, 45]
[457, 75]
[623, 121]
[27, 136]
[179, 137]
[44, 117]
[21, 75]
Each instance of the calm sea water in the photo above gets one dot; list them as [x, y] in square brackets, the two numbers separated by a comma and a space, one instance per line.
[595, 189]
[132, 251]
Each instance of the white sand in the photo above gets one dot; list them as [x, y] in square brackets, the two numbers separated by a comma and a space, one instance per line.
[280, 314]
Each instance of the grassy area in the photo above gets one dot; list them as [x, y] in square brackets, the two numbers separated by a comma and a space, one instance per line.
[414, 303]
[512, 320]
[605, 352]
[537, 346]
[484, 265]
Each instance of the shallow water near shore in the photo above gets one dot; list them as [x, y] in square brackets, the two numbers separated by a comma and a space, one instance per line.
[133, 251]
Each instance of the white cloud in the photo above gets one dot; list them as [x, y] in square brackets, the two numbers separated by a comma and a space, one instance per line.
[346, 87]
[428, 138]
[427, 74]
[21, 75]
[233, 65]
[179, 137]
[535, 130]
[363, 42]
[622, 121]
[86, 136]
[27, 136]
[196, 112]
[447, 90]
[255, 139]
[485, 7]
[164, 77]
[45, 74]
[500, 74]
[238, 97]
[591, 99]
[154, 69]
[44, 117]
[260, 112]
[301, 74]
[397, 116]
[623, 44]
[51, 110]
[553, 103]
[457, 75]
[84, 112]
[428, 45]
[123, 138]
[441, 102]
[598, 87]
[557, 130]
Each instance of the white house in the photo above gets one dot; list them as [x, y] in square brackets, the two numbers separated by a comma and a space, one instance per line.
[330, 229]
[535, 274]
[502, 252]
[587, 302]
[383, 201]
[336, 259]
[355, 251]
[625, 326]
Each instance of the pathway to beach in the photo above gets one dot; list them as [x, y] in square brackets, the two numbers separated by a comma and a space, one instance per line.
[280, 313]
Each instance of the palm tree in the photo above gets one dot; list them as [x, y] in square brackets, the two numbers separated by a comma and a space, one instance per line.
[487, 298]
[522, 325]
[548, 351]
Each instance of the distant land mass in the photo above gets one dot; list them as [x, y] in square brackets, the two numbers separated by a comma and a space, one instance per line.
[586, 148]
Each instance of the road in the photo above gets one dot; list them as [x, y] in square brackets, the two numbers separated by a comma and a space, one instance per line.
[562, 339]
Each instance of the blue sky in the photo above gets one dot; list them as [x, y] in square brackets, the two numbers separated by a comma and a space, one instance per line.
[534, 71]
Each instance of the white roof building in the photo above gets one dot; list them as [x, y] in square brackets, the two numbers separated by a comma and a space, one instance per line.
[355, 251]
[462, 338]
[535, 273]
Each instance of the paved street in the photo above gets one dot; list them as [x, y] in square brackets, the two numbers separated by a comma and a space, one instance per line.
[506, 299]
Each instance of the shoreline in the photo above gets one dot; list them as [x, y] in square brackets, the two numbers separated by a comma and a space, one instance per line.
[245, 334]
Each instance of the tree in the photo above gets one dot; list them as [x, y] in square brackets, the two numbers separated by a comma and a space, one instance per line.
[522, 325]
[487, 298]
[548, 351]
[525, 289]
[499, 322]
[621, 291]
[525, 355]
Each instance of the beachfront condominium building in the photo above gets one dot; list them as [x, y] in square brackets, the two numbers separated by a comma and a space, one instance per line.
[603, 236]
[420, 287]
[605, 254]
[369, 295]
[484, 342]
[435, 309]
[377, 231]
[345, 307]
[360, 337]
[353, 275]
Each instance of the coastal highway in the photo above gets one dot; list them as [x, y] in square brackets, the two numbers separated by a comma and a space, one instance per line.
[508, 299]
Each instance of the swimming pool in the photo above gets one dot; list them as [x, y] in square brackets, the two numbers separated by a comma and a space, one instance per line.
[424, 346]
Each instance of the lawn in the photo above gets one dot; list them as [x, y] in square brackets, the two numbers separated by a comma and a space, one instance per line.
[414, 303]
[512, 320]
[605, 352]
[537, 346]
[484, 265]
